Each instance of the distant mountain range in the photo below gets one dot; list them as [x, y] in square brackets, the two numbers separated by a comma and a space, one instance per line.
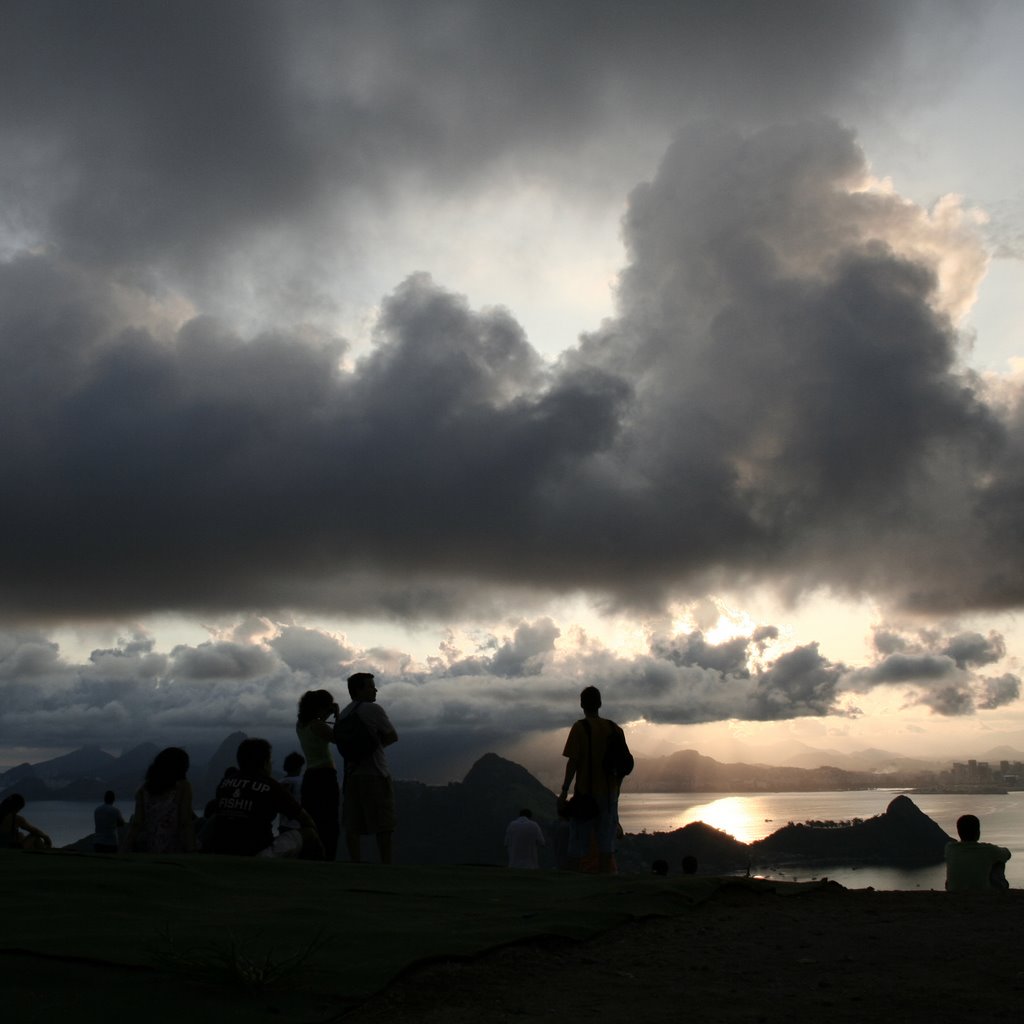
[869, 759]
[687, 771]
[85, 774]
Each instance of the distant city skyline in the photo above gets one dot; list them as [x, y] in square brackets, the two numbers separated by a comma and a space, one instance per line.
[500, 350]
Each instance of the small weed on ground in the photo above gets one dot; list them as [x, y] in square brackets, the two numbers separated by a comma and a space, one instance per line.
[253, 965]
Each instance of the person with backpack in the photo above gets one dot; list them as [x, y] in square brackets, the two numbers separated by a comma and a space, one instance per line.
[361, 732]
[598, 761]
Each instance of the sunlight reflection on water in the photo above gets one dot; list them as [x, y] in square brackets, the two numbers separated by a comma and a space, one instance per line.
[753, 816]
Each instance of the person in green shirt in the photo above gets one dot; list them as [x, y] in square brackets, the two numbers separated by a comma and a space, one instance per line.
[973, 866]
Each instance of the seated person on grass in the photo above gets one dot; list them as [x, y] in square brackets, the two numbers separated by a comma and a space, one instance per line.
[972, 866]
[12, 825]
[248, 802]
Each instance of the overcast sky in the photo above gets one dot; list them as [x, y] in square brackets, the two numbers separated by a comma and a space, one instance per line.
[504, 348]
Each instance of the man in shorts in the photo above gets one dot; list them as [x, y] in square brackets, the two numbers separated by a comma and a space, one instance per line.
[368, 806]
[585, 749]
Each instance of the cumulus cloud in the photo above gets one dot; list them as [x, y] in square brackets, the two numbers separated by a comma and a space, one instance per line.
[939, 669]
[1004, 689]
[730, 656]
[521, 682]
[974, 649]
[951, 699]
[310, 650]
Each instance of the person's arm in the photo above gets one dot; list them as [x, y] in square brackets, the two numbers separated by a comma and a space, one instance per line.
[20, 822]
[386, 733]
[571, 753]
[570, 774]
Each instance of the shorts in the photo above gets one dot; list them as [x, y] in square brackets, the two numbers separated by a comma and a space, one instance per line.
[369, 804]
[605, 828]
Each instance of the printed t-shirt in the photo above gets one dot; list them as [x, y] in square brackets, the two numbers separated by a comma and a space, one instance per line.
[246, 808]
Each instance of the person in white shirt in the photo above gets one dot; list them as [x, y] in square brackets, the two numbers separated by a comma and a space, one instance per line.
[523, 839]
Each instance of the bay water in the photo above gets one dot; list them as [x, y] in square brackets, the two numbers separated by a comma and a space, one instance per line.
[746, 817]
[752, 816]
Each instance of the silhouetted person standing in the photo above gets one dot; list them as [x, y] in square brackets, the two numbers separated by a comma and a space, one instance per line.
[972, 866]
[598, 759]
[107, 819]
[321, 795]
[362, 731]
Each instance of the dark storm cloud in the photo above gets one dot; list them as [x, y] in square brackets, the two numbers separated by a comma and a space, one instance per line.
[800, 682]
[203, 464]
[792, 374]
[777, 398]
[171, 135]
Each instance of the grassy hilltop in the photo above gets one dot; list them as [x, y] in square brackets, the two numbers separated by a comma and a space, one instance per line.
[220, 939]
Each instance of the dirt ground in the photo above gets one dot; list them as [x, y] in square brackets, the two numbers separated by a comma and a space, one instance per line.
[831, 955]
